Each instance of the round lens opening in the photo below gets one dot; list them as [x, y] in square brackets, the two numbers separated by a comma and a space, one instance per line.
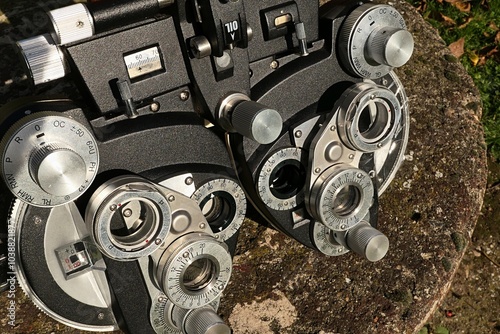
[133, 223]
[287, 179]
[374, 121]
[199, 274]
[347, 201]
[219, 208]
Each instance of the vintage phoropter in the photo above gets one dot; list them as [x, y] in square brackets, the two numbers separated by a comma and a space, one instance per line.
[129, 201]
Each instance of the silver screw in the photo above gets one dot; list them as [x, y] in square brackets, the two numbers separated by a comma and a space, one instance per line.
[158, 241]
[127, 213]
[184, 95]
[372, 97]
[162, 299]
[113, 207]
[185, 255]
[359, 176]
[274, 64]
[171, 198]
[372, 174]
[384, 82]
[202, 225]
[37, 220]
[298, 134]
[343, 226]
[154, 107]
[100, 316]
[333, 128]
[79, 24]
[351, 156]
[317, 170]
[379, 145]
[189, 181]
[285, 203]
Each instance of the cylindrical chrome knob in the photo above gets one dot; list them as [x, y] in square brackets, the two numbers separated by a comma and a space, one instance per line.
[71, 23]
[257, 122]
[199, 321]
[367, 241]
[58, 171]
[43, 59]
[390, 46]
[200, 47]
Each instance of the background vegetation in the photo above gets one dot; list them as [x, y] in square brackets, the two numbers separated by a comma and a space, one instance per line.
[471, 29]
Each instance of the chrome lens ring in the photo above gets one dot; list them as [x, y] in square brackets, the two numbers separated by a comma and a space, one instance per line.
[223, 203]
[281, 180]
[325, 242]
[369, 116]
[194, 270]
[341, 197]
[128, 218]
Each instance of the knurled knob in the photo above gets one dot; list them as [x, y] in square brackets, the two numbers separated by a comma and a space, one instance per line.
[71, 23]
[257, 122]
[58, 171]
[43, 58]
[204, 321]
[390, 46]
[367, 241]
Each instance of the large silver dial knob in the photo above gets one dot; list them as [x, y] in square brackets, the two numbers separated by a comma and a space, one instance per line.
[48, 159]
[43, 59]
[374, 40]
[237, 113]
[57, 170]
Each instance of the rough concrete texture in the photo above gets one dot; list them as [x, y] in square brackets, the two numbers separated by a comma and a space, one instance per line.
[428, 213]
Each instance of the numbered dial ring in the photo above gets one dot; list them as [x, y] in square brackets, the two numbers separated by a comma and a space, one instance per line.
[374, 40]
[48, 159]
[325, 242]
[194, 270]
[341, 197]
[223, 203]
[282, 178]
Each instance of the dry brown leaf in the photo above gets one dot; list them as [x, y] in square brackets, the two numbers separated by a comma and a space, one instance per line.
[464, 7]
[469, 20]
[493, 26]
[497, 38]
[457, 48]
[448, 20]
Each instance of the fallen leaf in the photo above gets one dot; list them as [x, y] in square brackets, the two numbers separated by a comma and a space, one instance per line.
[474, 58]
[448, 20]
[457, 48]
[464, 7]
[493, 26]
[469, 20]
[497, 38]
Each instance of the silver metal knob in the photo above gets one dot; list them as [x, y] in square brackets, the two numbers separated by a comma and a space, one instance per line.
[202, 320]
[205, 321]
[390, 46]
[71, 23]
[257, 122]
[58, 171]
[43, 59]
[200, 47]
[367, 241]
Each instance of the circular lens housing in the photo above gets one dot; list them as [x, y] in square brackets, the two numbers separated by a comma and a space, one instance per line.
[341, 197]
[369, 116]
[194, 270]
[281, 179]
[223, 204]
[128, 218]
